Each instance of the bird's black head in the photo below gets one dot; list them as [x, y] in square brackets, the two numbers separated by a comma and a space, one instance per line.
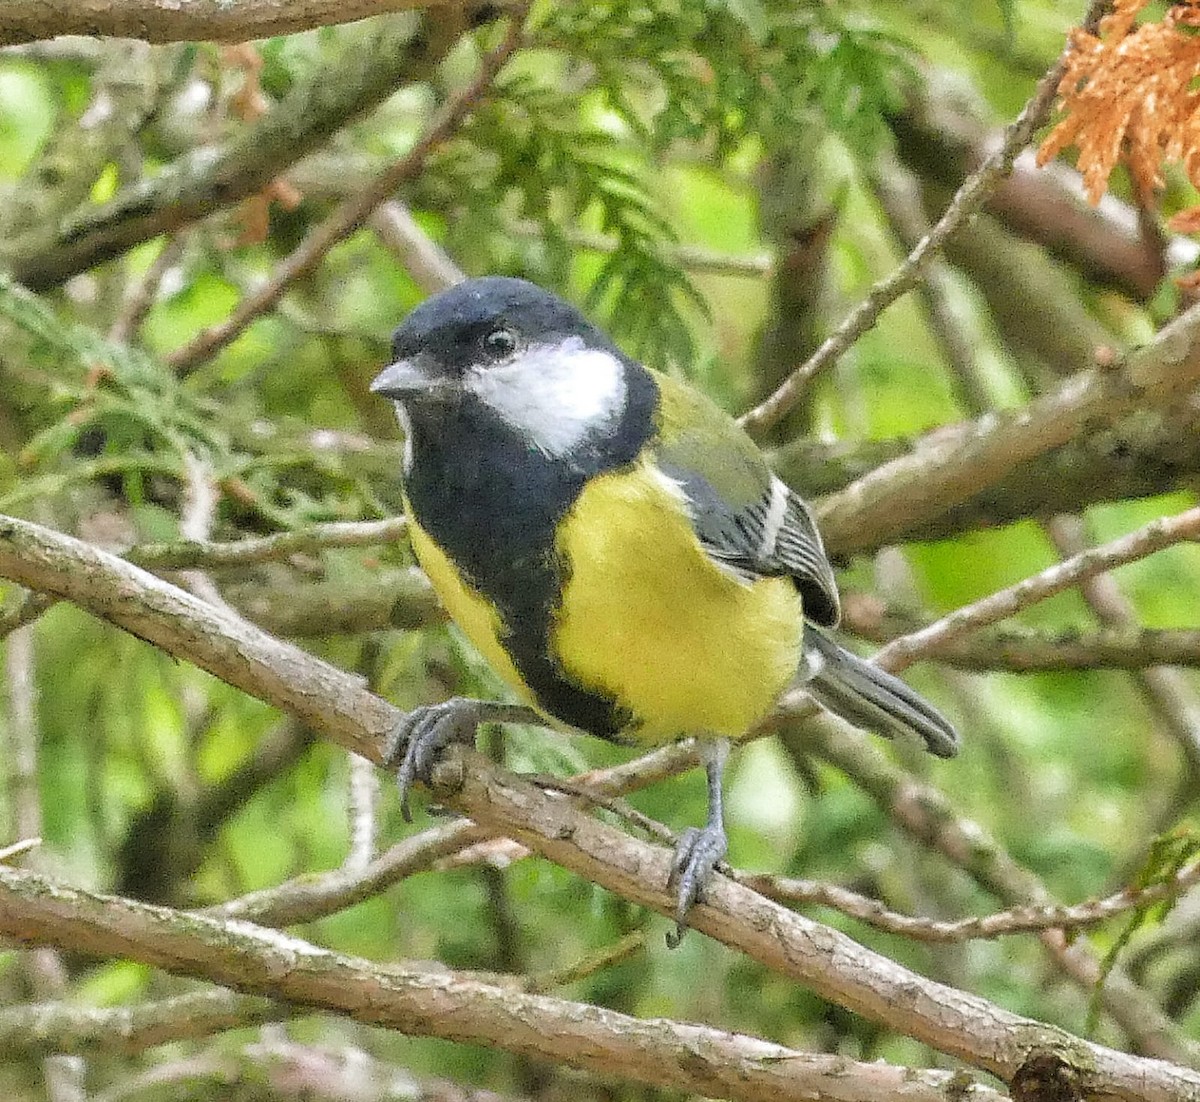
[485, 321]
[530, 358]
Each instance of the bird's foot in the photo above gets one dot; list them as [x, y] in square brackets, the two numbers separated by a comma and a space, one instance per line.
[420, 737]
[696, 855]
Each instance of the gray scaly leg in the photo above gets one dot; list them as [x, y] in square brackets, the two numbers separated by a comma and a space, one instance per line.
[700, 848]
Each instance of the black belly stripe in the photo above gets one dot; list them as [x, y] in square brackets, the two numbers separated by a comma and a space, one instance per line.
[493, 503]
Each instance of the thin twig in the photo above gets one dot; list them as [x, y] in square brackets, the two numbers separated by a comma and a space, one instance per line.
[207, 555]
[47, 975]
[1106, 649]
[308, 898]
[17, 848]
[1156, 535]
[354, 211]
[1167, 691]
[570, 786]
[899, 193]
[974, 190]
[1018, 920]
[606, 957]
[430, 266]
[363, 801]
[22, 738]
[201, 496]
[140, 297]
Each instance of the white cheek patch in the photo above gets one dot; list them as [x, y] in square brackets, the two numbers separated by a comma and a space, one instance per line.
[556, 395]
[406, 425]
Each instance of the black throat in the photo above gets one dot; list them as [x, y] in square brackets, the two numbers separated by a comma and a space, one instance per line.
[493, 502]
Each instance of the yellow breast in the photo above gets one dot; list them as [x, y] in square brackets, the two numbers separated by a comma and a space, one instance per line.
[470, 610]
[648, 618]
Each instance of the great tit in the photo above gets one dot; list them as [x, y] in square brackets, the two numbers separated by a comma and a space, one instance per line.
[613, 543]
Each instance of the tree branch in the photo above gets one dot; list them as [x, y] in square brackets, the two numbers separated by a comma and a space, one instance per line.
[974, 190]
[910, 491]
[330, 700]
[210, 554]
[944, 136]
[208, 179]
[194, 21]
[337, 705]
[1163, 532]
[1019, 651]
[41, 1028]
[1018, 920]
[430, 266]
[352, 213]
[925, 813]
[424, 1002]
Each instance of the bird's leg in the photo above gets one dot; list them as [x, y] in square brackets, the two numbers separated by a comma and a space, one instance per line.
[417, 740]
[699, 849]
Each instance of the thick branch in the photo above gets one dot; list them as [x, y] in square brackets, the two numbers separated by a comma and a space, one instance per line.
[1142, 454]
[61, 1027]
[194, 21]
[336, 705]
[423, 1002]
[911, 491]
[209, 179]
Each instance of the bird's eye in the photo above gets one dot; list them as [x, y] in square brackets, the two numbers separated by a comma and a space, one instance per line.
[500, 342]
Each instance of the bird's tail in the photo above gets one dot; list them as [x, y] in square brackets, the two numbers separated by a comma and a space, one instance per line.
[872, 698]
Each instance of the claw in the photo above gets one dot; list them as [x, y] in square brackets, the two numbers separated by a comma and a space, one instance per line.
[696, 855]
[420, 737]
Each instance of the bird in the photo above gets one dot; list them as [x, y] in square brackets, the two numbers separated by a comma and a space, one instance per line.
[615, 546]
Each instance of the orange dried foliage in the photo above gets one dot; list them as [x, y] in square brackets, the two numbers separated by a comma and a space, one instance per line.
[255, 212]
[249, 103]
[1127, 96]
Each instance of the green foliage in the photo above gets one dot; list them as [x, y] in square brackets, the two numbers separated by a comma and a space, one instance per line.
[530, 135]
[719, 78]
[1168, 855]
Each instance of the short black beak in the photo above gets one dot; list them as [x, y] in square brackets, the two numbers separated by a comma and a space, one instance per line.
[403, 379]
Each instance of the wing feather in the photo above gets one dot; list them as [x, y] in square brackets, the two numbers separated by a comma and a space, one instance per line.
[745, 518]
[773, 536]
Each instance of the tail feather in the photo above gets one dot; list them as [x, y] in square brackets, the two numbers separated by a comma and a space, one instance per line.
[872, 698]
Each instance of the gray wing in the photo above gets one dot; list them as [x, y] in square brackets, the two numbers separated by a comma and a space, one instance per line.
[775, 535]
